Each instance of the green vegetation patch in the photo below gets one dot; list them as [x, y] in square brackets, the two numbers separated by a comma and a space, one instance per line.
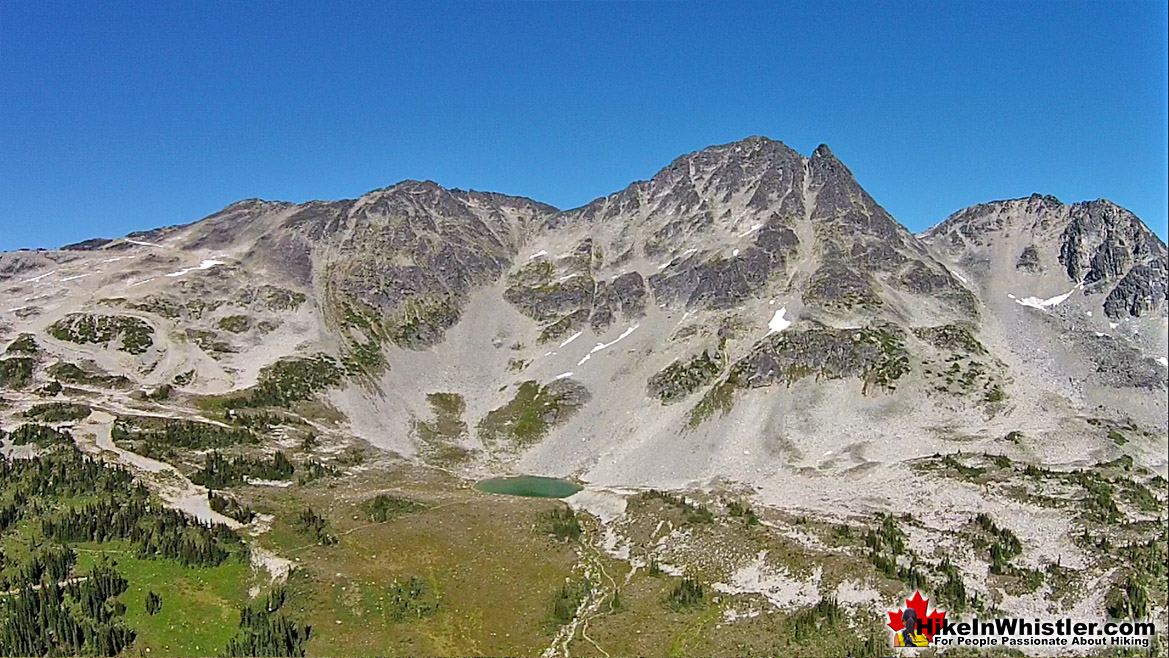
[229, 506]
[209, 341]
[384, 507]
[562, 524]
[688, 593]
[24, 344]
[40, 435]
[440, 435]
[279, 299]
[132, 335]
[63, 515]
[875, 354]
[681, 378]
[534, 410]
[234, 324]
[80, 618]
[58, 412]
[71, 373]
[285, 382]
[562, 326]
[308, 522]
[568, 600]
[952, 337]
[219, 472]
[415, 598]
[265, 631]
[159, 438]
[719, 399]
[16, 372]
[692, 513]
[421, 320]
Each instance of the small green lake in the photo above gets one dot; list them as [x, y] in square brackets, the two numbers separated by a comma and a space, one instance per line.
[530, 486]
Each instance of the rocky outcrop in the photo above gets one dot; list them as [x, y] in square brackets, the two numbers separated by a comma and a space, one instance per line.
[1098, 244]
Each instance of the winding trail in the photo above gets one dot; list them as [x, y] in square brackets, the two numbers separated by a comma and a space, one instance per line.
[593, 555]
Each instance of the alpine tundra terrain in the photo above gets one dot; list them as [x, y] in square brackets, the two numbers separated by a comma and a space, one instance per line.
[257, 434]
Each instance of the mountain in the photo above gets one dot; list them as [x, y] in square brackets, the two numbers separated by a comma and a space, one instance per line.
[747, 320]
[645, 315]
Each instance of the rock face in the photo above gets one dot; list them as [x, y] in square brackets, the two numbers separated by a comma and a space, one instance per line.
[745, 294]
[733, 222]
[1096, 244]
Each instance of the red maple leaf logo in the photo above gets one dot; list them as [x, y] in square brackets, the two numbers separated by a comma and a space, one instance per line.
[931, 622]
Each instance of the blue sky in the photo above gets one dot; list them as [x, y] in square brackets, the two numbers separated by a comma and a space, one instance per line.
[119, 116]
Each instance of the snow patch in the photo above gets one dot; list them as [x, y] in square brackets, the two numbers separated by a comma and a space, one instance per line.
[735, 252]
[75, 276]
[1163, 361]
[754, 227]
[563, 375]
[1043, 304]
[778, 322]
[571, 338]
[205, 265]
[600, 346]
[138, 283]
[665, 265]
[961, 278]
[38, 278]
[542, 252]
[270, 483]
[144, 244]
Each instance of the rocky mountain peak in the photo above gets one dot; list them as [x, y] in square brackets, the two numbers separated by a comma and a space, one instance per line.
[1096, 245]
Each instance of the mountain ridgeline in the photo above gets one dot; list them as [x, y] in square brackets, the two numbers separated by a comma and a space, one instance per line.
[746, 310]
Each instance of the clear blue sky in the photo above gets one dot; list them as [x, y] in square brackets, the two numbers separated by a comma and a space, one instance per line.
[119, 116]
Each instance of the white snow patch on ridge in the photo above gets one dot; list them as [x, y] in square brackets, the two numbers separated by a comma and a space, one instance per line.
[778, 322]
[571, 338]
[600, 346]
[38, 278]
[754, 227]
[205, 265]
[563, 375]
[1041, 304]
[144, 244]
[542, 252]
[1163, 361]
